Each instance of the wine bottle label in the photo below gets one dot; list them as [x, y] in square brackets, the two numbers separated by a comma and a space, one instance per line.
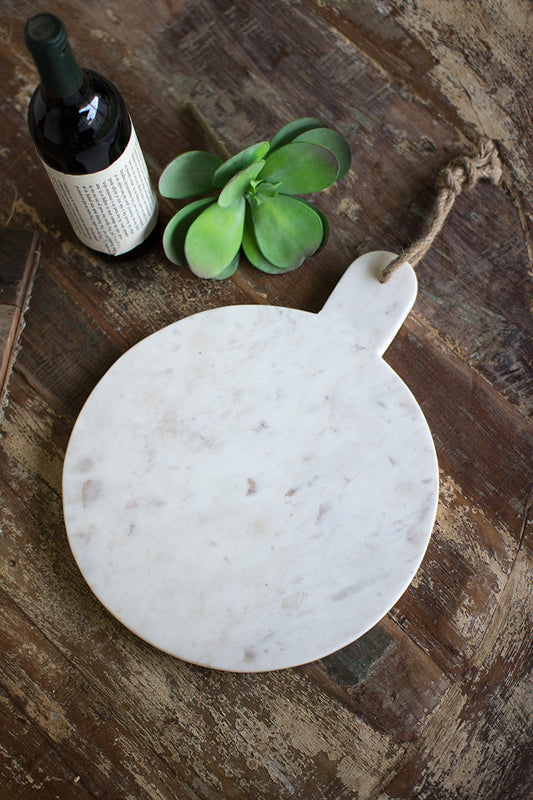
[113, 210]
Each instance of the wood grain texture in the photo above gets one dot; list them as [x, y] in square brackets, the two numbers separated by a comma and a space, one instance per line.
[19, 254]
[435, 702]
[468, 60]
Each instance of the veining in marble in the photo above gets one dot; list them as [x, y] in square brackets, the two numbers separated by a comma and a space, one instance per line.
[253, 487]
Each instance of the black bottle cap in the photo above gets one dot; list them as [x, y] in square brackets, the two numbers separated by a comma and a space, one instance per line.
[46, 39]
[45, 33]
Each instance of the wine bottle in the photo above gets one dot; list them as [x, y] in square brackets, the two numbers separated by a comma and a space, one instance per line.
[87, 143]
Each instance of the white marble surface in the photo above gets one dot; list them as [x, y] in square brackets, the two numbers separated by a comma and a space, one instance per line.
[253, 487]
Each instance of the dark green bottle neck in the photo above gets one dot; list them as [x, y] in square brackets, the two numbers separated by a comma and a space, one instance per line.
[46, 39]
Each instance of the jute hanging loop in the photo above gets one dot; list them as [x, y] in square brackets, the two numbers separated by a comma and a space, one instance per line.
[461, 173]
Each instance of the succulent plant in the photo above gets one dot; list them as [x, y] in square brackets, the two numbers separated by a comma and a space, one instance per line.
[250, 201]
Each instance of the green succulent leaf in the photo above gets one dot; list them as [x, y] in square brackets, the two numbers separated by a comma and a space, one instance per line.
[293, 129]
[302, 167]
[332, 141]
[287, 230]
[238, 162]
[230, 269]
[252, 251]
[178, 227]
[325, 225]
[214, 239]
[189, 174]
[240, 182]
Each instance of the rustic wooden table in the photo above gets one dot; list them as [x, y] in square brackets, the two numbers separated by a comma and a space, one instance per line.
[436, 701]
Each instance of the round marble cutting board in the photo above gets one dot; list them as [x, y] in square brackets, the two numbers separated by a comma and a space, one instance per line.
[253, 487]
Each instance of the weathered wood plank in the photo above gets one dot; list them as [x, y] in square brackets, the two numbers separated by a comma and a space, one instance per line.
[387, 676]
[476, 292]
[19, 255]
[479, 741]
[86, 747]
[482, 440]
[485, 448]
[32, 769]
[469, 61]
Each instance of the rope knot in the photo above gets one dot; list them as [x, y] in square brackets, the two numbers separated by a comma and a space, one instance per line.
[463, 172]
[459, 174]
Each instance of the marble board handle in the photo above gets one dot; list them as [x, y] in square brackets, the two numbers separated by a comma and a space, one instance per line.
[376, 310]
